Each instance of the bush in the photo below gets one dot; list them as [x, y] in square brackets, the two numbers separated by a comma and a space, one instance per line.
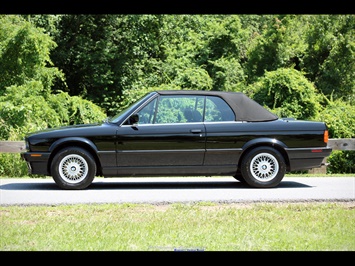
[26, 108]
[11, 165]
[287, 93]
[341, 162]
[339, 117]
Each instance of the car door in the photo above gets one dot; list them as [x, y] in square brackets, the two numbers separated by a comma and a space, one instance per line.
[223, 141]
[170, 133]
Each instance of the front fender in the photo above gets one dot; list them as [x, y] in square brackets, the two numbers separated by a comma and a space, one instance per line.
[68, 140]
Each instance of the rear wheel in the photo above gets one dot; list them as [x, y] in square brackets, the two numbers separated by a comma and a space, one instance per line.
[73, 168]
[263, 167]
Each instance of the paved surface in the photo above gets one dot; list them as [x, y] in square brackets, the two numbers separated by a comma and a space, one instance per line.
[175, 189]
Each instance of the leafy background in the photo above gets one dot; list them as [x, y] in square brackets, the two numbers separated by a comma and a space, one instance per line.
[68, 69]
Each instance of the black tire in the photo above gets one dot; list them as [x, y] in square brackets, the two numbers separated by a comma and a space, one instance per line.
[263, 167]
[73, 168]
[238, 176]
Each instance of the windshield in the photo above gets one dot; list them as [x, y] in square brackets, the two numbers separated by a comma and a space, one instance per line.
[130, 108]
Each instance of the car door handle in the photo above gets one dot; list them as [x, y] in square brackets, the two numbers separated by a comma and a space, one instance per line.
[196, 131]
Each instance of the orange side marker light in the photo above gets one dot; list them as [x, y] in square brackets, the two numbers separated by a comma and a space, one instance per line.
[326, 136]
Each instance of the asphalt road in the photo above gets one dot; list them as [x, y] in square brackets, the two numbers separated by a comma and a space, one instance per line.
[164, 190]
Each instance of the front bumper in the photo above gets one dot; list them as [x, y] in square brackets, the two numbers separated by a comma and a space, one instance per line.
[37, 162]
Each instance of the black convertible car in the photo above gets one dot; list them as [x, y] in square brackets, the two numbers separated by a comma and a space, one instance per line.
[181, 133]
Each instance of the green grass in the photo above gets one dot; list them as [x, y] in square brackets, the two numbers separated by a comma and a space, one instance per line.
[317, 226]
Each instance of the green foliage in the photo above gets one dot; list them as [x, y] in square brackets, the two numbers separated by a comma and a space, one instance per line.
[24, 109]
[11, 165]
[278, 44]
[206, 45]
[80, 111]
[194, 79]
[287, 93]
[24, 54]
[339, 116]
[329, 59]
[130, 96]
[105, 55]
[26, 100]
[341, 162]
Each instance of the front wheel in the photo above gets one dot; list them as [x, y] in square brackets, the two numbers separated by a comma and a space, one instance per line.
[73, 168]
[263, 167]
[238, 176]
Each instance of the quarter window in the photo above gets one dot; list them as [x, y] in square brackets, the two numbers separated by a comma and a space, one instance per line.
[218, 110]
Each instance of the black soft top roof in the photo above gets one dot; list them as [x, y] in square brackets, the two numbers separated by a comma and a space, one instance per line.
[245, 109]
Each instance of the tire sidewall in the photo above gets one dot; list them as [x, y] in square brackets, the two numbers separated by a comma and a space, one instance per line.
[251, 180]
[75, 151]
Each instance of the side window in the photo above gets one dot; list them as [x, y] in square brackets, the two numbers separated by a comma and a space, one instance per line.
[146, 115]
[218, 110]
[179, 109]
[185, 109]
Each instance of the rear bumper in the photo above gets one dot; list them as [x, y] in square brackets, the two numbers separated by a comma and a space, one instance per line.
[307, 158]
[37, 162]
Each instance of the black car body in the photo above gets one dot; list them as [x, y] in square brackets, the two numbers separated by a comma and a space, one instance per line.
[181, 133]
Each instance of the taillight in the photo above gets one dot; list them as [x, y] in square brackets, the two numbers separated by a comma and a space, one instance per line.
[325, 136]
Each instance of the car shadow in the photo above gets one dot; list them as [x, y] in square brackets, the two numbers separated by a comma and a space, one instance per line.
[186, 185]
[117, 185]
[29, 186]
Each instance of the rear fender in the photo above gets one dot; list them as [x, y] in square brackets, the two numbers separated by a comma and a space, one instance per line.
[270, 142]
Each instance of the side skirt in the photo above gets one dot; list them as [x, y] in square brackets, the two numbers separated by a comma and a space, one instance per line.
[225, 170]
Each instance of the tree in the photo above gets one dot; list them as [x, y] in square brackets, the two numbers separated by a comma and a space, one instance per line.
[209, 46]
[24, 54]
[103, 55]
[329, 60]
[27, 76]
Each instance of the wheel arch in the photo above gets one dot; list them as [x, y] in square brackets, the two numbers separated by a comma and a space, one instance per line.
[83, 143]
[268, 142]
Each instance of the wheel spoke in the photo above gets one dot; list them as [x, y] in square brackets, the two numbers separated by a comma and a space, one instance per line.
[73, 168]
[264, 167]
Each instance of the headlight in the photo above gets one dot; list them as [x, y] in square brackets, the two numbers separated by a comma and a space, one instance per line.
[27, 145]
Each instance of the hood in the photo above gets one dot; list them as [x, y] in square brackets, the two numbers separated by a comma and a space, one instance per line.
[67, 130]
